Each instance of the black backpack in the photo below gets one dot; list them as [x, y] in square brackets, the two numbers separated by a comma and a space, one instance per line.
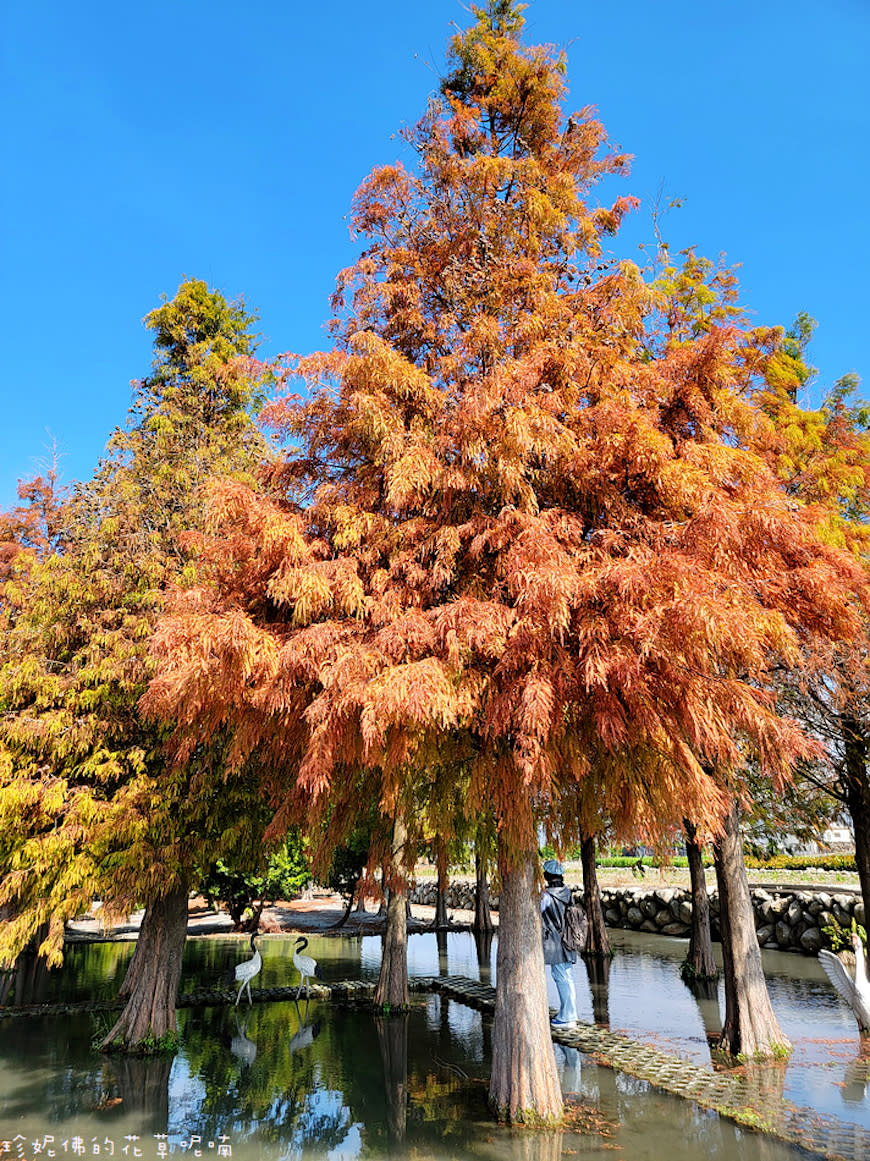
[575, 928]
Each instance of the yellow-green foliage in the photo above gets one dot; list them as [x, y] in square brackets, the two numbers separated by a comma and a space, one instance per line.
[88, 806]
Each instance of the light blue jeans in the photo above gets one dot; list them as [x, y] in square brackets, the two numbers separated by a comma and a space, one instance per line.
[563, 978]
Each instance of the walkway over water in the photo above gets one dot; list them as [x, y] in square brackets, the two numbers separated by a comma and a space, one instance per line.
[746, 1096]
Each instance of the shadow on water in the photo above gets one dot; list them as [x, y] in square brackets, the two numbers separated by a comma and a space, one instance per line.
[314, 1079]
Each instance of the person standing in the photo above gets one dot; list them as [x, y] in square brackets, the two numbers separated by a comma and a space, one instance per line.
[554, 902]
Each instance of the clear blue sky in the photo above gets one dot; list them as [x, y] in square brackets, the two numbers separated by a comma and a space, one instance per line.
[145, 142]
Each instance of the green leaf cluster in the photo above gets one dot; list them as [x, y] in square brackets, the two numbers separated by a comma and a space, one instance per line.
[89, 805]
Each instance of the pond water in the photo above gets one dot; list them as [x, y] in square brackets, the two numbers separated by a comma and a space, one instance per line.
[322, 1080]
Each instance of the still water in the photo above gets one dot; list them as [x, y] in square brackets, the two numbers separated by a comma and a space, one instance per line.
[323, 1080]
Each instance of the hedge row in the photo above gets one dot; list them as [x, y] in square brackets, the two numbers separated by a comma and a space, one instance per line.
[774, 863]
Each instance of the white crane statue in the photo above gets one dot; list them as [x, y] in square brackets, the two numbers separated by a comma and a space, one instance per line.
[246, 971]
[855, 992]
[305, 965]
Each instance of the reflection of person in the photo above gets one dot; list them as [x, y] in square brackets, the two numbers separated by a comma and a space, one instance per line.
[554, 900]
[571, 1069]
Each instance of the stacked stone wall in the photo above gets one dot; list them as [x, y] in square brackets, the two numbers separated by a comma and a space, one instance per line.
[787, 920]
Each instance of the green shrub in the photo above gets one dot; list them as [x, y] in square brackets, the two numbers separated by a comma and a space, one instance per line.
[802, 863]
[285, 874]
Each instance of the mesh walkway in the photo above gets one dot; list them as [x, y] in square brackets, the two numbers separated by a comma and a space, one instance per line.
[743, 1098]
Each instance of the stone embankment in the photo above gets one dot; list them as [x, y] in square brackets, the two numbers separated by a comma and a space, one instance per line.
[785, 919]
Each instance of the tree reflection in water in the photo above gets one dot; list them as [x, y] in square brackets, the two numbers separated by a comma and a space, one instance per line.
[143, 1088]
[598, 970]
[393, 1041]
[706, 995]
[483, 947]
[303, 1081]
[857, 1075]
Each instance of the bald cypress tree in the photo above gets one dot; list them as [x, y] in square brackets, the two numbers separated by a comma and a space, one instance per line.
[88, 805]
[521, 533]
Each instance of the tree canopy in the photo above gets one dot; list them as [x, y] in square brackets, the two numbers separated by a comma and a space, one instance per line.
[524, 526]
[89, 807]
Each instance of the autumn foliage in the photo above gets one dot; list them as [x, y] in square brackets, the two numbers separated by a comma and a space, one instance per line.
[546, 530]
[88, 805]
[528, 543]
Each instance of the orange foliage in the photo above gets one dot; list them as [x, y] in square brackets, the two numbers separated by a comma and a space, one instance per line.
[524, 530]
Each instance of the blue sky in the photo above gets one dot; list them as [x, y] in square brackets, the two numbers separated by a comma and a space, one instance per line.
[146, 142]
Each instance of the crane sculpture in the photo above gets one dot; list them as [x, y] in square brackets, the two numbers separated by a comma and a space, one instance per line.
[855, 992]
[305, 965]
[246, 971]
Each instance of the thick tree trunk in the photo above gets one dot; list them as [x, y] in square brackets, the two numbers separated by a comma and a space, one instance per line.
[482, 915]
[392, 992]
[750, 1027]
[699, 963]
[441, 919]
[152, 978]
[30, 977]
[598, 942]
[857, 786]
[525, 1084]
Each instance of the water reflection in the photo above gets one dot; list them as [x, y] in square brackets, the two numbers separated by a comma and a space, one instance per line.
[393, 1041]
[598, 973]
[241, 1045]
[299, 1080]
[483, 944]
[706, 996]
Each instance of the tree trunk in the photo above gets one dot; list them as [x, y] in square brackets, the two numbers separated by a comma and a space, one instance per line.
[482, 915]
[360, 900]
[385, 891]
[699, 963]
[345, 916]
[525, 1085]
[30, 975]
[598, 942]
[392, 992]
[147, 1023]
[441, 919]
[857, 787]
[750, 1027]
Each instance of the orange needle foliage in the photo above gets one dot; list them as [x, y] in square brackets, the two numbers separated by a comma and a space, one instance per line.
[522, 532]
[518, 526]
